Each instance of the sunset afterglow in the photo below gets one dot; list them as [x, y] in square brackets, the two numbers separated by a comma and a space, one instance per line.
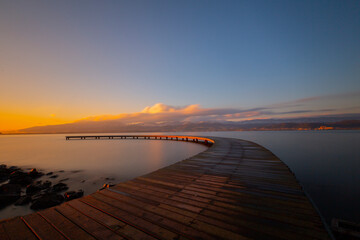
[64, 62]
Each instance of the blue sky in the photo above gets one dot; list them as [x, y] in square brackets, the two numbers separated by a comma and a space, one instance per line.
[74, 59]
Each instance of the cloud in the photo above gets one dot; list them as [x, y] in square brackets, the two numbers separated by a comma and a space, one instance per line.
[162, 108]
[163, 115]
[325, 99]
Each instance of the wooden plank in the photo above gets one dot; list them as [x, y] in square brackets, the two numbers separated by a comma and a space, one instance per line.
[122, 228]
[89, 225]
[42, 228]
[137, 222]
[17, 229]
[179, 217]
[3, 234]
[155, 198]
[64, 225]
[163, 221]
[211, 225]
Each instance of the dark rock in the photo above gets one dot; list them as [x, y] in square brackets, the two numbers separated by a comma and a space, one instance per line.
[49, 173]
[72, 195]
[46, 201]
[19, 177]
[32, 189]
[4, 173]
[37, 187]
[61, 171]
[46, 184]
[64, 179]
[59, 187]
[35, 174]
[10, 189]
[23, 200]
[9, 193]
[4, 177]
[36, 196]
[14, 168]
[54, 176]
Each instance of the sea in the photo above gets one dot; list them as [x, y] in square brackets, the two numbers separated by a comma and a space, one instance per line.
[326, 163]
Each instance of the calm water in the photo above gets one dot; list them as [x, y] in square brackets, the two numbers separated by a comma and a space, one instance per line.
[94, 162]
[327, 163]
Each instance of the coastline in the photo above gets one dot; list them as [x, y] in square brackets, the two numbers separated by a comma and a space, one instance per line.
[251, 130]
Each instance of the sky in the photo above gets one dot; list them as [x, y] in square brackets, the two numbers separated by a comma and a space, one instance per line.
[63, 61]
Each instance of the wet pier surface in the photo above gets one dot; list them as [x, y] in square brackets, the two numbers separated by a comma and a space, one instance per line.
[234, 190]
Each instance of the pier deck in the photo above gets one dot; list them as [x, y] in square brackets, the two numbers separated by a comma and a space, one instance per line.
[234, 190]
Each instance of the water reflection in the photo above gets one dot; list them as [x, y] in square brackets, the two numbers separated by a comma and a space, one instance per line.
[88, 164]
[127, 158]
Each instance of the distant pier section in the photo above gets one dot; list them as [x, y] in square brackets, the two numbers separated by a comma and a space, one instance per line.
[203, 140]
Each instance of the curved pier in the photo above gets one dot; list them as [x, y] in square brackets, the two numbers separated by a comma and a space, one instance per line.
[203, 140]
[234, 190]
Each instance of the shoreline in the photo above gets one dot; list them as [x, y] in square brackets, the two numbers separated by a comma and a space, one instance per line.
[253, 130]
[21, 198]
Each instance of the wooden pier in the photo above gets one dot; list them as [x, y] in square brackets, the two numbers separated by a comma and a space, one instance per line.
[203, 140]
[234, 190]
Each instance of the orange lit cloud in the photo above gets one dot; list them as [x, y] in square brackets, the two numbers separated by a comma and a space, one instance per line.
[160, 115]
[165, 113]
[156, 112]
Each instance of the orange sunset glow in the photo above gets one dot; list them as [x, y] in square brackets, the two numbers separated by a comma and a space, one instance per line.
[13, 121]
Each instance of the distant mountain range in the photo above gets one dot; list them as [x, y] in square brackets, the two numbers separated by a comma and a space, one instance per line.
[349, 121]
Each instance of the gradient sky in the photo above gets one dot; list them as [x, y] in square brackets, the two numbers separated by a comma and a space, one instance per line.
[66, 60]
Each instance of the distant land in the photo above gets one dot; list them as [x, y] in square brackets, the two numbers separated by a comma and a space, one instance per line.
[350, 122]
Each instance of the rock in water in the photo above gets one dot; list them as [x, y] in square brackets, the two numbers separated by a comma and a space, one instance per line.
[59, 187]
[13, 169]
[9, 193]
[37, 187]
[4, 173]
[23, 200]
[72, 195]
[35, 174]
[46, 184]
[19, 177]
[46, 201]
